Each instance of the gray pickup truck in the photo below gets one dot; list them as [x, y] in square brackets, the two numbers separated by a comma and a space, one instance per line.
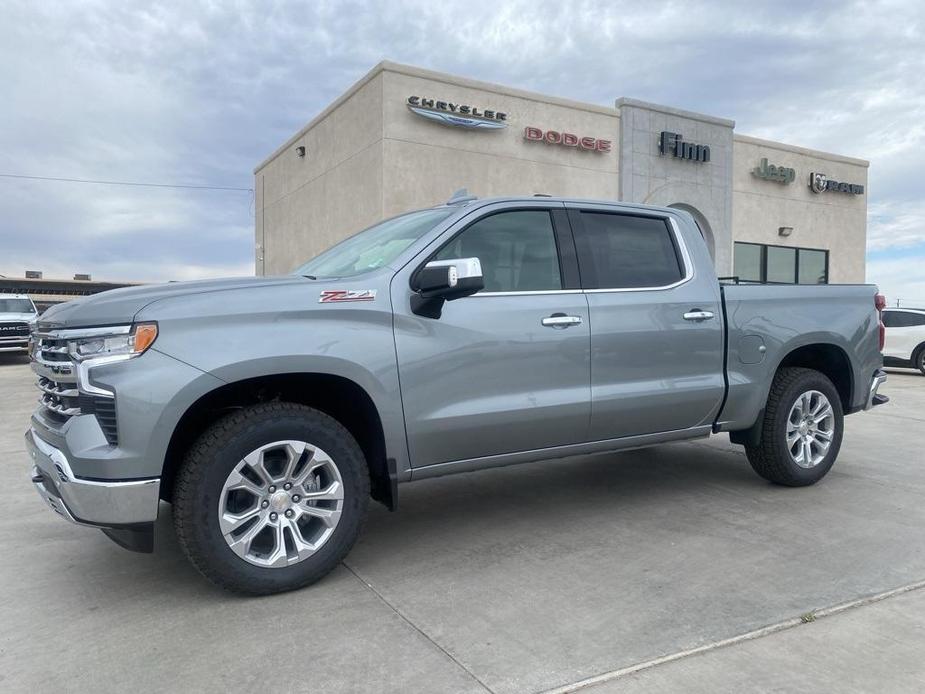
[475, 334]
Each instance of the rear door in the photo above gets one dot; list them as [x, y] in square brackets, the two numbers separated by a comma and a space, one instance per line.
[507, 369]
[656, 321]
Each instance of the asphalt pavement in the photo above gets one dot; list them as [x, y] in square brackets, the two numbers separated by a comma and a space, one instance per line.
[664, 569]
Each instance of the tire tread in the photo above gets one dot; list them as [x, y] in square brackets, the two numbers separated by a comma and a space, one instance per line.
[190, 480]
[770, 458]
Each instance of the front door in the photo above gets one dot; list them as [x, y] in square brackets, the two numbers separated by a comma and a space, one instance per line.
[656, 322]
[507, 369]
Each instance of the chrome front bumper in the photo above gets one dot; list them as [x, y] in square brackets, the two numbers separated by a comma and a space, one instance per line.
[14, 344]
[89, 502]
[873, 398]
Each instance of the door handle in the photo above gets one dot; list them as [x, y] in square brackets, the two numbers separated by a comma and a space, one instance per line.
[560, 320]
[698, 315]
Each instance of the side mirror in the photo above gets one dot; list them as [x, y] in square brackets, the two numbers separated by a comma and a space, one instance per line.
[444, 280]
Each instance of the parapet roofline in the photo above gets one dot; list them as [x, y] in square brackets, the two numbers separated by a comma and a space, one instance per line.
[494, 88]
[796, 149]
[422, 73]
[672, 111]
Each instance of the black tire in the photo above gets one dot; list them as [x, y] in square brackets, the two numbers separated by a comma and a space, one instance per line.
[210, 460]
[771, 458]
[919, 359]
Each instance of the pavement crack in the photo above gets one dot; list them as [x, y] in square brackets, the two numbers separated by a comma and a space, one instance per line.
[416, 628]
[735, 640]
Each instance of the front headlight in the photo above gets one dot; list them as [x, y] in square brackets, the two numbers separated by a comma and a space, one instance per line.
[127, 341]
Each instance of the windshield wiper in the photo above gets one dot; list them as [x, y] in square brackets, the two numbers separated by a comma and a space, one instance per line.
[311, 277]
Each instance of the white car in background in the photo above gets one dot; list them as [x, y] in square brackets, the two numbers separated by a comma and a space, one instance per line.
[905, 338]
[17, 316]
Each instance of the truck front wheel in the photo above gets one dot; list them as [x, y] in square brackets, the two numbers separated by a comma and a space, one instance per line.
[271, 498]
[801, 431]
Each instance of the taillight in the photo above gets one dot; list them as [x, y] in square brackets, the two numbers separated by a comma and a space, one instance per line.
[880, 304]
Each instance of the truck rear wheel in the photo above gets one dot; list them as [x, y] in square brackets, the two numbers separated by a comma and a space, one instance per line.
[271, 498]
[801, 431]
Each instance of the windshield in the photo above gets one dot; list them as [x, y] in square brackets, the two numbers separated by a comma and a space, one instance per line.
[374, 247]
[16, 306]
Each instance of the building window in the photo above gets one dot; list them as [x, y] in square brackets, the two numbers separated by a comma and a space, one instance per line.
[757, 262]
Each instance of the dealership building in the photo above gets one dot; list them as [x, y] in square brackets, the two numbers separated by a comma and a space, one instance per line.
[404, 138]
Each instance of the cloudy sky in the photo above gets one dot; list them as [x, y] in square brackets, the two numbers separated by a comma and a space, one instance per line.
[198, 94]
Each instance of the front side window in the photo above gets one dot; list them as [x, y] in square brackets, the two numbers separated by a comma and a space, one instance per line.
[517, 251]
[374, 247]
[623, 252]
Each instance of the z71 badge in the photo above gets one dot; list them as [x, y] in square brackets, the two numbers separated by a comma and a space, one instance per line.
[339, 296]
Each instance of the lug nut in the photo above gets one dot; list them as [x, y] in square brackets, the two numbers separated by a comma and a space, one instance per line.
[271, 489]
[289, 513]
[296, 498]
[273, 516]
[287, 486]
[264, 503]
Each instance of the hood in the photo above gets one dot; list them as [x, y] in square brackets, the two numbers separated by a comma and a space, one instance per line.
[119, 306]
[17, 317]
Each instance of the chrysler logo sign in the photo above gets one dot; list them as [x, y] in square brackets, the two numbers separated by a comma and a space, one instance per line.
[819, 183]
[457, 115]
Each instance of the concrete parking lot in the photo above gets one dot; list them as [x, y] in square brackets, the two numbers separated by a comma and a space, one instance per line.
[522, 579]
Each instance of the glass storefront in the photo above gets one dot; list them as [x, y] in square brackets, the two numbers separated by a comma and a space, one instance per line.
[757, 262]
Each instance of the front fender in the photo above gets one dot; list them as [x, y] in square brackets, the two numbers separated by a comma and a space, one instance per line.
[243, 340]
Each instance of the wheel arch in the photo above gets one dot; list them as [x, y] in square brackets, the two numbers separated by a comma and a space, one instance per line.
[340, 397]
[829, 359]
[826, 357]
[916, 351]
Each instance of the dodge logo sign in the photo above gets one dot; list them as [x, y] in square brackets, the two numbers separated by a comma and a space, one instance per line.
[554, 137]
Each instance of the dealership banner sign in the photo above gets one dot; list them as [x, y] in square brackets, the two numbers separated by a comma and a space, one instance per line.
[457, 115]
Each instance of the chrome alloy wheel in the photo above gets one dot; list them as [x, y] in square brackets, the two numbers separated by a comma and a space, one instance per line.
[810, 429]
[281, 503]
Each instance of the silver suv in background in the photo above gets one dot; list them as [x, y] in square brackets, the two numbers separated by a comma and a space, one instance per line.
[17, 317]
[480, 333]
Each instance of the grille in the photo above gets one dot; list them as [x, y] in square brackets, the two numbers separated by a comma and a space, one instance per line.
[17, 329]
[60, 397]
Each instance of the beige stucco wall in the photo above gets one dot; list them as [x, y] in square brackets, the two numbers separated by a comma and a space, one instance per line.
[829, 220]
[424, 162]
[369, 157]
[306, 204]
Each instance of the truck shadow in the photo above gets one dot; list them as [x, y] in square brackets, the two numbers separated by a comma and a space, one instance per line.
[460, 513]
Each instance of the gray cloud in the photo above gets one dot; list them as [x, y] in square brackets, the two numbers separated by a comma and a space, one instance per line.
[189, 93]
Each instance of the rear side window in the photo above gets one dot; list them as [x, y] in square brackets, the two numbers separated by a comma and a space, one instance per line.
[903, 319]
[626, 252]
